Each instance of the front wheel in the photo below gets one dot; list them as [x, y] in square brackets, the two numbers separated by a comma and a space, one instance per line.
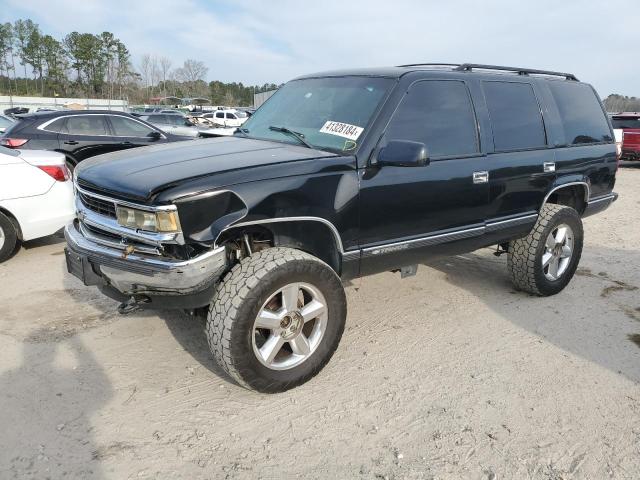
[543, 262]
[276, 319]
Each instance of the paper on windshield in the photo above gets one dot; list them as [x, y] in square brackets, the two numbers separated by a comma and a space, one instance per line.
[352, 132]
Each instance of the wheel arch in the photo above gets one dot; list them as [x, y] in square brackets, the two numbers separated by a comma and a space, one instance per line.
[571, 193]
[314, 235]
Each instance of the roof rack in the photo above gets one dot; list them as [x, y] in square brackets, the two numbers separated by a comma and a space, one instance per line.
[467, 67]
[430, 65]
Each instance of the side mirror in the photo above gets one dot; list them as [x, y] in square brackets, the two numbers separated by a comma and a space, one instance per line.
[155, 135]
[403, 153]
[189, 123]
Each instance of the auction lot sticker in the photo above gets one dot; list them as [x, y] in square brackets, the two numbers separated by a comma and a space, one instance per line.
[345, 130]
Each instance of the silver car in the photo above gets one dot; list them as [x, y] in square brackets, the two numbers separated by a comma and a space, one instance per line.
[174, 123]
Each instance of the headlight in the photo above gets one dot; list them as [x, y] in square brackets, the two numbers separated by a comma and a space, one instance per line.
[162, 221]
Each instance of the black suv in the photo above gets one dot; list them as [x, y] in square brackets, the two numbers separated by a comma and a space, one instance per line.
[340, 175]
[83, 134]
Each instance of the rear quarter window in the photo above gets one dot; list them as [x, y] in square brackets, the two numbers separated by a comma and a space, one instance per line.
[582, 116]
[57, 126]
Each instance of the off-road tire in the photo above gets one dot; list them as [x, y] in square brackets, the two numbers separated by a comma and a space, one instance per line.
[11, 240]
[239, 297]
[524, 259]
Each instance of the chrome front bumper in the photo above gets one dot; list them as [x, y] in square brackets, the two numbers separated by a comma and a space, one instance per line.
[135, 274]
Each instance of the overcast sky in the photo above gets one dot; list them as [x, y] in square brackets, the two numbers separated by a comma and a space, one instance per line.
[272, 41]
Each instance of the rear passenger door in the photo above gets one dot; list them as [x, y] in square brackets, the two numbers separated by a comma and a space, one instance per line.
[521, 166]
[85, 136]
[407, 213]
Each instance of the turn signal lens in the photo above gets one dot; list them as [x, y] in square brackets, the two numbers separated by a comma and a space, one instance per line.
[162, 221]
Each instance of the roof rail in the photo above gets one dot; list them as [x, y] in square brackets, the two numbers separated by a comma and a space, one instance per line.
[467, 67]
[430, 65]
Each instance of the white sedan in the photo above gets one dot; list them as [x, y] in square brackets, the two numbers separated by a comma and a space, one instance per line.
[36, 196]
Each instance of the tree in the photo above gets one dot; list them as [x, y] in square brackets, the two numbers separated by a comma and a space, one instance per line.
[22, 33]
[6, 43]
[165, 68]
[190, 73]
[55, 61]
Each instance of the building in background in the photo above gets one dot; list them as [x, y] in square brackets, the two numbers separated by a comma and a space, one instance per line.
[260, 98]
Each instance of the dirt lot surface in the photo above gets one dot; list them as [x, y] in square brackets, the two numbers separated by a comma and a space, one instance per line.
[448, 374]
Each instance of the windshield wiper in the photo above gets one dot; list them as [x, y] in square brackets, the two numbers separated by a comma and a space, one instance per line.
[297, 135]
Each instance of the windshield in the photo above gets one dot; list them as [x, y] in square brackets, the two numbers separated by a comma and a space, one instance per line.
[329, 113]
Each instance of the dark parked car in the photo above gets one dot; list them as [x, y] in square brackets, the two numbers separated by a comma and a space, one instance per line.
[83, 134]
[341, 175]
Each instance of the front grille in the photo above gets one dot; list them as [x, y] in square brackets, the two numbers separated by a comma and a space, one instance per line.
[97, 205]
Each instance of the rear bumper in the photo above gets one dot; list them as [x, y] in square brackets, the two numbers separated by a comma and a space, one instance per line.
[158, 281]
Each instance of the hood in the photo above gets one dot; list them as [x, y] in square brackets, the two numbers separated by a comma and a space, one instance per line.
[140, 173]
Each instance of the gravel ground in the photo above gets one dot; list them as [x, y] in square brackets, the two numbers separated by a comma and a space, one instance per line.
[448, 374]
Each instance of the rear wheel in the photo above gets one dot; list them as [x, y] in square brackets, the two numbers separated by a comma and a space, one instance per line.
[9, 240]
[276, 319]
[544, 261]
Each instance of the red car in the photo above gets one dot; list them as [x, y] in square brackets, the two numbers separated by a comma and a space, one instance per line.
[626, 127]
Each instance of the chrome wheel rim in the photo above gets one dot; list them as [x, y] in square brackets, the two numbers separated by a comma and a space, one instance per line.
[1, 238]
[558, 252]
[289, 326]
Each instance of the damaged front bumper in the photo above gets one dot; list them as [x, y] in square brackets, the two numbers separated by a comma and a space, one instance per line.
[152, 280]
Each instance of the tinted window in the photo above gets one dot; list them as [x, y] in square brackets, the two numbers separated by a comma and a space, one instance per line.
[56, 126]
[515, 116]
[622, 122]
[581, 113]
[438, 114]
[5, 122]
[86, 125]
[231, 115]
[126, 127]
[219, 115]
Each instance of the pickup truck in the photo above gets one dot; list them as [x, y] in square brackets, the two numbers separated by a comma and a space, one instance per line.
[340, 175]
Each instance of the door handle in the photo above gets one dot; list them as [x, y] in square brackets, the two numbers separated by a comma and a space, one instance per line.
[126, 143]
[70, 142]
[549, 167]
[480, 177]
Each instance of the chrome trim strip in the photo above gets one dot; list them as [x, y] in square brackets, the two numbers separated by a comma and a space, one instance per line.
[333, 228]
[114, 244]
[424, 241]
[587, 192]
[351, 254]
[609, 196]
[515, 219]
[49, 122]
[125, 203]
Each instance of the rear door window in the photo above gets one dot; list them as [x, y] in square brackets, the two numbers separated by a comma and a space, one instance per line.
[126, 127]
[515, 116]
[438, 113]
[86, 125]
[581, 114]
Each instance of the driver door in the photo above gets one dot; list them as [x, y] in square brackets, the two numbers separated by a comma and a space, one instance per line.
[410, 212]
